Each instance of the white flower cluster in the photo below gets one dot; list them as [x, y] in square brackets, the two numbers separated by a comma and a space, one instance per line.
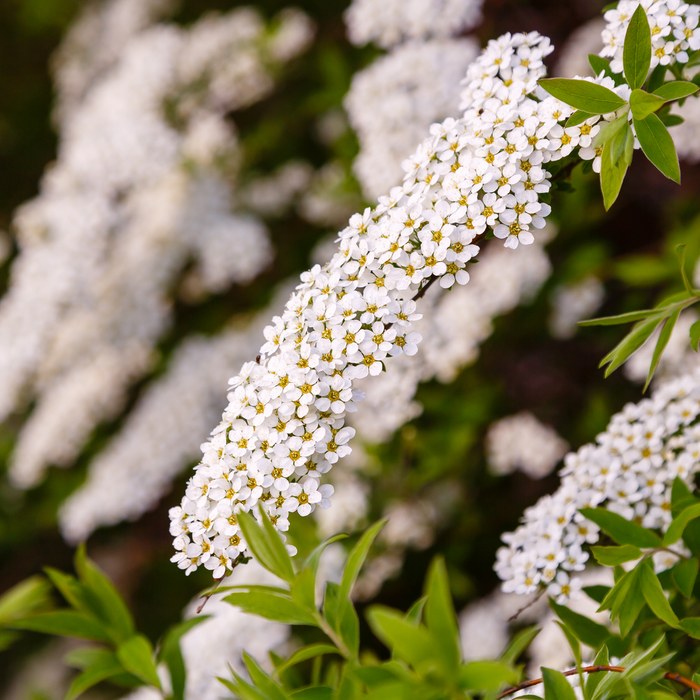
[522, 442]
[629, 470]
[674, 31]
[285, 424]
[393, 101]
[142, 186]
[389, 22]
[573, 303]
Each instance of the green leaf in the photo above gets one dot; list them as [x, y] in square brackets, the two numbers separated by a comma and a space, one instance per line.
[677, 527]
[613, 599]
[681, 250]
[621, 530]
[654, 595]
[612, 175]
[593, 679]
[636, 56]
[308, 652]
[556, 687]
[25, 598]
[614, 556]
[171, 654]
[584, 95]
[643, 104]
[408, 642]
[356, 559]
[670, 120]
[599, 64]
[676, 90]
[107, 666]
[695, 335]
[661, 344]
[75, 593]
[684, 574]
[629, 605]
[304, 589]
[628, 317]
[518, 644]
[609, 130]
[314, 558]
[692, 626]
[415, 612]
[574, 643]
[657, 77]
[597, 593]
[115, 613]
[266, 546]
[578, 117]
[586, 630]
[271, 606]
[658, 146]
[314, 692]
[136, 656]
[64, 623]
[262, 680]
[486, 675]
[440, 617]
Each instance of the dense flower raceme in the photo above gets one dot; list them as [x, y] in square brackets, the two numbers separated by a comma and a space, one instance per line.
[285, 426]
[629, 470]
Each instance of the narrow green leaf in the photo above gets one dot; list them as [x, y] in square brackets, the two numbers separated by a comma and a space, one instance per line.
[356, 559]
[440, 616]
[106, 667]
[574, 643]
[593, 679]
[692, 626]
[612, 600]
[583, 95]
[411, 643]
[271, 606]
[314, 558]
[636, 56]
[589, 632]
[621, 530]
[310, 651]
[64, 623]
[677, 527]
[658, 146]
[486, 675]
[643, 104]
[695, 335]
[657, 77]
[262, 680]
[676, 90]
[614, 556]
[264, 548]
[115, 612]
[628, 317]
[578, 117]
[612, 175]
[556, 687]
[415, 612]
[171, 654]
[655, 597]
[277, 546]
[680, 251]
[28, 596]
[304, 589]
[661, 344]
[684, 573]
[597, 593]
[315, 692]
[75, 593]
[519, 644]
[628, 607]
[630, 344]
[670, 120]
[599, 64]
[136, 656]
[609, 130]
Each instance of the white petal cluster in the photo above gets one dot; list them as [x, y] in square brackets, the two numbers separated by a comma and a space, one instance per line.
[522, 442]
[285, 423]
[629, 470]
[674, 31]
[141, 188]
[390, 22]
[573, 303]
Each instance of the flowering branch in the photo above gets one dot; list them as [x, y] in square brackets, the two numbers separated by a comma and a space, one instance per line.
[598, 669]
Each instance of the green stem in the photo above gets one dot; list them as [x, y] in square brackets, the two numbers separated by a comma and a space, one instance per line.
[332, 635]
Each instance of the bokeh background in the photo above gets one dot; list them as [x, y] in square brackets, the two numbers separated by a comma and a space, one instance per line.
[167, 169]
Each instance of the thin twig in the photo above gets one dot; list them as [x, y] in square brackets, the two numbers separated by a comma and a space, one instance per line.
[236, 562]
[597, 669]
[513, 618]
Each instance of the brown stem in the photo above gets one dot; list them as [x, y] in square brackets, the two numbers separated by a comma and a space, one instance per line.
[236, 562]
[513, 618]
[597, 669]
